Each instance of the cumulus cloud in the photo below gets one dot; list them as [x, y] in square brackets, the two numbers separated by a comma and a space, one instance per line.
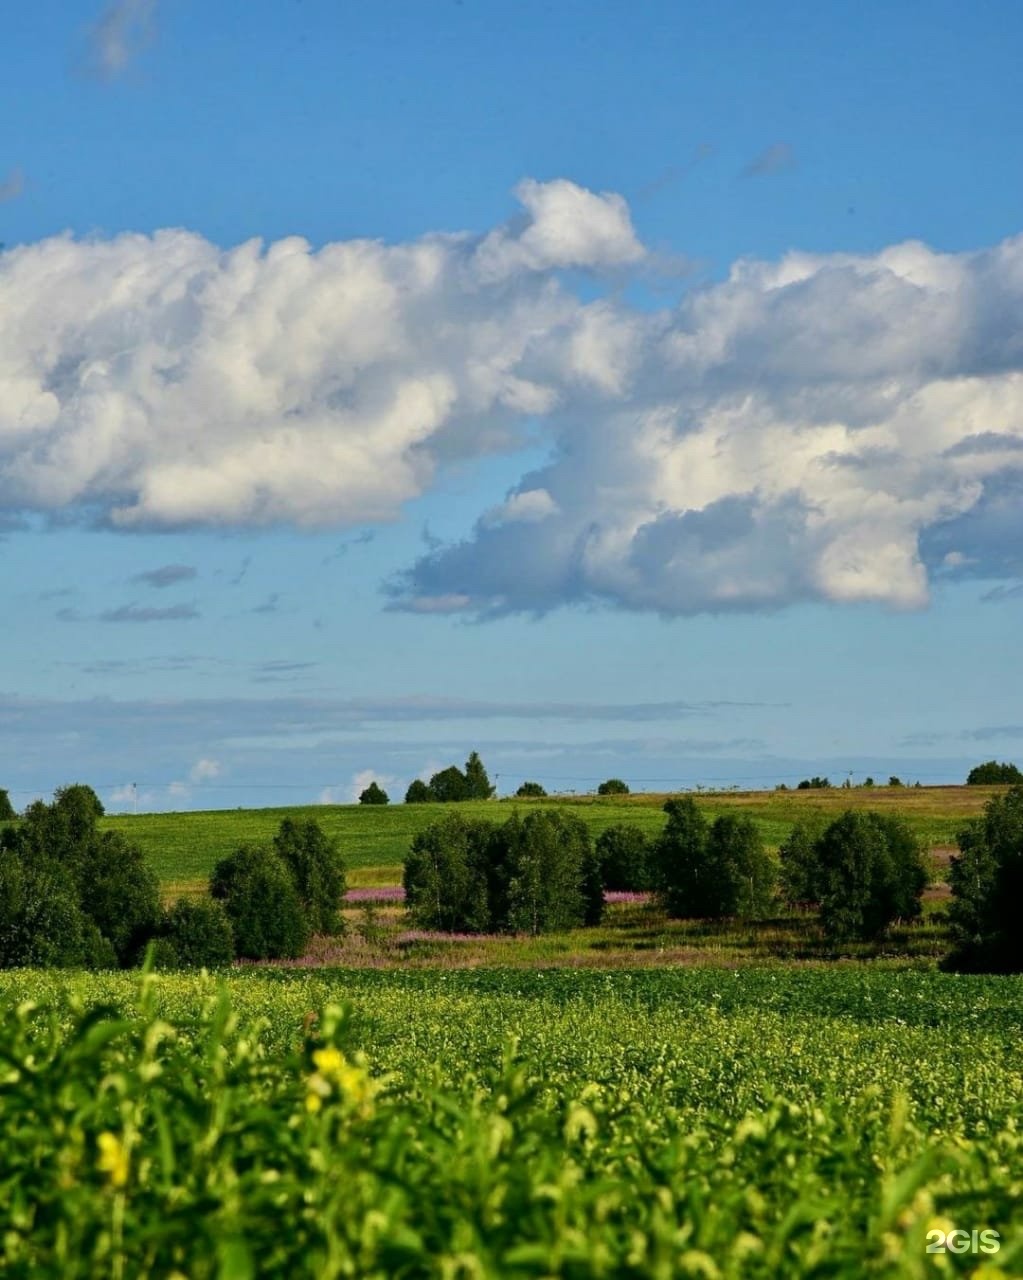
[167, 383]
[122, 31]
[825, 427]
[204, 770]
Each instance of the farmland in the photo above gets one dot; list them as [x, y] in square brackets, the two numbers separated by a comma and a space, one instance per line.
[702, 1123]
[183, 847]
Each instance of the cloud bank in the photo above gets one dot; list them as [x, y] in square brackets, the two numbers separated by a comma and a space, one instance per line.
[830, 427]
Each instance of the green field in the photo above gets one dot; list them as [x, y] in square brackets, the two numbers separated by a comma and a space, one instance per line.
[183, 847]
[646, 1125]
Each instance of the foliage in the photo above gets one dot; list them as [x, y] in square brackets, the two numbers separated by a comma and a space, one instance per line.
[987, 887]
[530, 790]
[374, 794]
[7, 813]
[477, 783]
[262, 903]
[624, 855]
[120, 894]
[678, 859]
[710, 872]
[992, 772]
[418, 792]
[806, 1124]
[797, 855]
[317, 870]
[870, 872]
[815, 783]
[446, 875]
[449, 785]
[613, 787]
[198, 934]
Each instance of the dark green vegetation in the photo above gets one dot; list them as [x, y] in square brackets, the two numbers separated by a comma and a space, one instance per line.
[494, 1124]
[374, 794]
[529, 875]
[452, 784]
[613, 787]
[992, 773]
[706, 870]
[987, 884]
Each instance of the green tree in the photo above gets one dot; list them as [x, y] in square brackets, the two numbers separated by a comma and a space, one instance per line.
[374, 794]
[449, 785]
[446, 875]
[798, 874]
[624, 855]
[991, 773]
[548, 877]
[262, 904]
[613, 787]
[120, 893]
[530, 790]
[679, 860]
[987, 887]
[477, 783]
[7, 813]
[317, 870]
[418, 792]
[741, 869]
[871, 873]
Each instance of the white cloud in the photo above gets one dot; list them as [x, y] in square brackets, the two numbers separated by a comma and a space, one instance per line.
[361, 780]
[122, 31]
[205, 770]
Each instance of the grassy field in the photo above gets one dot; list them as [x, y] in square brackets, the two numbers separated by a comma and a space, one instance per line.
[498, 1124]
[183, 847]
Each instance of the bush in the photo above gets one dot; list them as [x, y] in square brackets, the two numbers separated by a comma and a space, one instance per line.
[418, 793]
[317, 872]
[987, 886]
[374, 794]
[196, 935]
[992, 773]
[613, 787]
[530, 790]
[262, 904]
[624, 853]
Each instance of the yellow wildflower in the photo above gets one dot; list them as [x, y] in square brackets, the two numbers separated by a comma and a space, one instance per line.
[112, 1159]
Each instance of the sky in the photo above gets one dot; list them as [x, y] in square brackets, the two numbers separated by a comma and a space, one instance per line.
[616, 389]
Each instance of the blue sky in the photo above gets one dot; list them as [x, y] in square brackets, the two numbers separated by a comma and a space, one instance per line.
[644, 396]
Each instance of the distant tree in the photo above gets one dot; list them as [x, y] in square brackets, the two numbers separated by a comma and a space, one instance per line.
[708, 872]
[798, 862]
[477, 783]
[374, 794]
[679, 860]
[813, 784]
[613, 787]
[742, 869]
[624, 855]
[867, 782]
[196, 935]
[547, 875]
[992, 773]
[449, 785]
[262, 904]
[418, 792]
[870, 873]
[987, 887]
[530, 790]
[446, 875]
[7, 813]
[317, 870]
[894, 781]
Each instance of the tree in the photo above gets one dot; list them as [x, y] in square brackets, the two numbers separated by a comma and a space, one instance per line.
[624, 854]
[992, 773]
[740, 867]
[477, 783]
[374, 794]
[448, 785]
[548, 878]
[446, 875]
[418, 792]
[120, 893]
[798, 877]
[894, 781]
[613, 787]
[197, 935]
[7, 813]
[813, 784]
[317, 871]
[679, 859]
[262, 904]
[987, 884]
[870, 873]
[530, 790]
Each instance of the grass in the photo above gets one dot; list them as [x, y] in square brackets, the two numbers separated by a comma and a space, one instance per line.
[183, 847]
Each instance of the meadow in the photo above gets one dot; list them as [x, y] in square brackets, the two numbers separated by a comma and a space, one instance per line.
[183, 847]
[495, 1123]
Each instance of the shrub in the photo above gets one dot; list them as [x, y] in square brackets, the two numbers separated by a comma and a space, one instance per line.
[418, 792]
[317, 871]
[623, 854]
[530, 790]
[196, 935]
[613, 787]
[374, 794]
[262, 904]
[992, 773]
[987, 885]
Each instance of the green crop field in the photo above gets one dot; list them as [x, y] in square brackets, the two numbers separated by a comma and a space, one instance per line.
[183, 847]
[661, 1124]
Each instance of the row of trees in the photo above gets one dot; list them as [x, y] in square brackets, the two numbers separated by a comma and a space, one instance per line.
[452, 783]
